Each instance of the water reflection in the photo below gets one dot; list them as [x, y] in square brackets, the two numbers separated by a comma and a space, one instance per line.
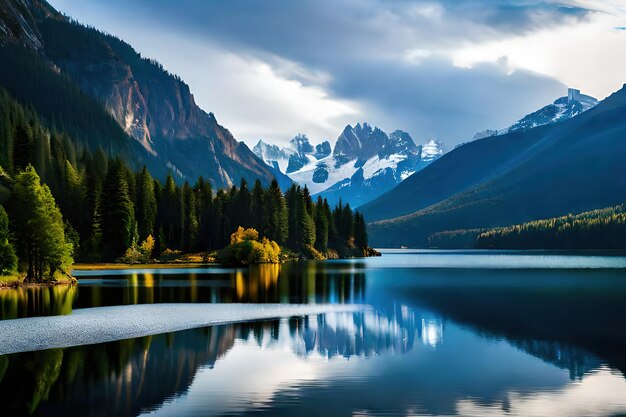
[440, 341]
[37, 301]
[311, 282]
[132, 376]
[547, 313]
[368, 363]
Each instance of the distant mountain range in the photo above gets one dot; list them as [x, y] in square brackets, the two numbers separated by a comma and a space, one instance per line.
[529, 173]
[152, 106]
[365, 162]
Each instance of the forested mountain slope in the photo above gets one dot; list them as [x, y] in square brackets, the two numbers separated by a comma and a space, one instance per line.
[573, 166]
[55, 60]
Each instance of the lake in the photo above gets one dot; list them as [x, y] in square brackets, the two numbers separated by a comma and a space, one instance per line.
[449, 333]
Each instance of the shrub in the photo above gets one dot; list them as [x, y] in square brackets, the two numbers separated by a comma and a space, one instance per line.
[246, 249]
[138, 254]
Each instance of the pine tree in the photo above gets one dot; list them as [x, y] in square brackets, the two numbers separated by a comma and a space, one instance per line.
[277, 227]
[191, 227]
[347, 223]
[170, 208]
[321, 227]
[360, 231]
[241, 206]
[305, 226]
[118, 214]
[204, 201]
[146, 205]
[22, 146]
[293, 215]
[258, 210]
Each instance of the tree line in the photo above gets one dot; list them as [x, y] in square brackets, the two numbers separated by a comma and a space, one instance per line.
[597, 229]
[108, 208]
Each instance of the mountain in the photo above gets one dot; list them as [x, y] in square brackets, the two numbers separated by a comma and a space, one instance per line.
[548, 171]
[151, 105]
[365, 163]
[562, 109]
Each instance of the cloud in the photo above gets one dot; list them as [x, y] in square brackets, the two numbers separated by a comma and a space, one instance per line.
[275, 68]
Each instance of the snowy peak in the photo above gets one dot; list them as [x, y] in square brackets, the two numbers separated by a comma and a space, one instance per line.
[301, 144]
[294, 156]
[561, 109]
[363, 142]
[399, 142]
[272, 155]
[322, 150]
[365, 162]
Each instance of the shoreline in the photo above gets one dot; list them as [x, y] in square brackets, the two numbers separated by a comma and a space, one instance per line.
[106, 266]
[18, 282]
[13, 282]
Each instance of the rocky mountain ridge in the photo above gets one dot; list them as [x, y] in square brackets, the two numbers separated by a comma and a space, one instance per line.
[364, 163]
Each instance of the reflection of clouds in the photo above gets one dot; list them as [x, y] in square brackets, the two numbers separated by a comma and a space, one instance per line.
[593, 396]
[287, 367]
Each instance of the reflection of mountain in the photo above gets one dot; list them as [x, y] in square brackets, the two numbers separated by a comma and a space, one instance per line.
[363, 334]
[578, 361]
[560, 317]
[127, 377]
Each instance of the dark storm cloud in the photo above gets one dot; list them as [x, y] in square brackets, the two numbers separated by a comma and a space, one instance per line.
[361, 48]
[325, 31]
[440, 100]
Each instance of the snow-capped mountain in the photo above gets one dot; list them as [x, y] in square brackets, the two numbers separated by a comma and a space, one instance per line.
[294, 157]
[365, 163]
[562, 109]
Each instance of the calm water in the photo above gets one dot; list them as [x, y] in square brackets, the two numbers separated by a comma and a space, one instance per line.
[451, 333]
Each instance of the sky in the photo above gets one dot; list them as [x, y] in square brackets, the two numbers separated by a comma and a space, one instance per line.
[439, 70]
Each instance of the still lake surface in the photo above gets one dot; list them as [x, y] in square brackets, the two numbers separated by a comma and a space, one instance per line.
[450, 333]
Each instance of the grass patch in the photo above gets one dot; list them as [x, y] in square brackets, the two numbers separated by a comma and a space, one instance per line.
[10, 280]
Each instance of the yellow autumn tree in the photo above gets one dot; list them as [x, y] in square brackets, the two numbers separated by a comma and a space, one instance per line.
[245, 248]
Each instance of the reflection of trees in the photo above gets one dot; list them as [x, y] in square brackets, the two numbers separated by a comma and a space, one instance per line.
[298, 282]
[578, 361]
[37, 301]
[120, 378]
[126, 377]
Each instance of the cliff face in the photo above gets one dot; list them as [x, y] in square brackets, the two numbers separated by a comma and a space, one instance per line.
[153, 106]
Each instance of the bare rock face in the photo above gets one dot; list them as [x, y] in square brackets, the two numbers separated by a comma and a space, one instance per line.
[154, 107]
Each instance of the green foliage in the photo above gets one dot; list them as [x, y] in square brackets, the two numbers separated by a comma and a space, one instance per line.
[245, 249]
[39, 228]
[276, 216]
[138, 254]
[321, 227]
[360, 231]
[118, 214]
[598, 229]
[455, 239]
[146, 207]
[108, 208]
[8, 259]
